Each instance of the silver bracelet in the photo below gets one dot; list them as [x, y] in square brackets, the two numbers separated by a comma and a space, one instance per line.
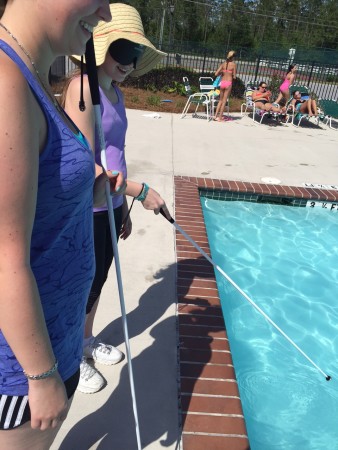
[43, 375]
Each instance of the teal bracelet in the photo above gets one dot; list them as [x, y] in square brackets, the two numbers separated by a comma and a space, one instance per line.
[143, 194]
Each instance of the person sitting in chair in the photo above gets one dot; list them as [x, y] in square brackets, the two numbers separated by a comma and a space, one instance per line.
[262, 99]
[304, 106]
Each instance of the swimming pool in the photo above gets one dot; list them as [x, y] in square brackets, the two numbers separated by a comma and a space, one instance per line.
[286, 259]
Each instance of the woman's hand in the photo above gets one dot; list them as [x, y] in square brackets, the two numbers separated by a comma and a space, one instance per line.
[155, 202]
[126, 228]
[48, 402]
[116, 180]
[117, 186]
[126, 220]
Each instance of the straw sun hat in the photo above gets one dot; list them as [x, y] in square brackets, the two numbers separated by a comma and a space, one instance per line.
[125, 24]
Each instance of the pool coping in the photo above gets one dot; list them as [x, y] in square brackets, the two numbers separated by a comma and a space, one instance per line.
[211, 415]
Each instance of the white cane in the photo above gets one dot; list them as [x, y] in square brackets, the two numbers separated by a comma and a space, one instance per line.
[221, 271]
[95, 94]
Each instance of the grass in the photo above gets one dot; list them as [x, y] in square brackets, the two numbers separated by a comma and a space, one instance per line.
[153, 100]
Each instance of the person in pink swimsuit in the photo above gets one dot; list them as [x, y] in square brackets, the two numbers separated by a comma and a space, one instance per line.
[228, 71]
[284, 87]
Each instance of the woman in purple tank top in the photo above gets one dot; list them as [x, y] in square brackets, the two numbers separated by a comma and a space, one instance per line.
[45, 221]
[121, 49]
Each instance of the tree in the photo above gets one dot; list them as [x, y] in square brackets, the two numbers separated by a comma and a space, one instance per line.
[243, 23]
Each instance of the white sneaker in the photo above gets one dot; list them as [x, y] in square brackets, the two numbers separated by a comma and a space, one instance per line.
[90, 379]
[102, 353]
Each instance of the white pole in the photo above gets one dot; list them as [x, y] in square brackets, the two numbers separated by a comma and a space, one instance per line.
[109, 200]
[95, 94]
[162, 26]
[247, 297]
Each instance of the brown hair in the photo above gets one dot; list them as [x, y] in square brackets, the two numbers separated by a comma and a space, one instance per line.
[63, 86]
[3, 4]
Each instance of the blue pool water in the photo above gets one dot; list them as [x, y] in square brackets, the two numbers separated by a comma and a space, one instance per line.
[286, 260]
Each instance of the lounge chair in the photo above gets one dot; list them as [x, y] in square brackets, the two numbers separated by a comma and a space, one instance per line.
[329, 112]
[248, 104]
[196, 99]
[207, 86]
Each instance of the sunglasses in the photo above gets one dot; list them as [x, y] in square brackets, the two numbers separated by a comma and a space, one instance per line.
[264, 87]
[126, 52]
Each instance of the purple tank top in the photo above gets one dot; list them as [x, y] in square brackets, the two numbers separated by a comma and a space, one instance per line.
[114, 125]
[62, 253]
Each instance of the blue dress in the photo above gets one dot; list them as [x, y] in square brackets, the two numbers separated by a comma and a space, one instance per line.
[62, 255]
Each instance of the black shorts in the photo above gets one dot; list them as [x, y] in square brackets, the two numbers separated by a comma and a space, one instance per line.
[14, 410]
[103, 252]
[261, 101]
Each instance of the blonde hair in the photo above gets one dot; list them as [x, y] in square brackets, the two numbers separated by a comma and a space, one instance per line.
[231, 55]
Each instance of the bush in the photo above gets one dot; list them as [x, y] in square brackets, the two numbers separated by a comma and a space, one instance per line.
[274, 84]
[238, 88]
[170, 79]
[154, 100]
[176, 88]
[332, 78]
[135, 99]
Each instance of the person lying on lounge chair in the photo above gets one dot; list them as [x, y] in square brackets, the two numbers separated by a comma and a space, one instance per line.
[304, 106]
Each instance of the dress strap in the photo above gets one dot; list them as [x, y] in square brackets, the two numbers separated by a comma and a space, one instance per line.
[32, 81]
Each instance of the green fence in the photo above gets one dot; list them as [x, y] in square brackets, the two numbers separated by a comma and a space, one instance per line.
[252, 65]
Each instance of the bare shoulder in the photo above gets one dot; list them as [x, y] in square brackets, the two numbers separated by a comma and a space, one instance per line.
[19, 109]
[75, 87]
[13, 85]
[73, 97]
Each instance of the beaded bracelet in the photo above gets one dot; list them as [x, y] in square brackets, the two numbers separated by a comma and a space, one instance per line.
[143, 194]
[43, 375]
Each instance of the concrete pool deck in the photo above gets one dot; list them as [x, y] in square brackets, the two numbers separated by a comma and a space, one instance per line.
[157, 150]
